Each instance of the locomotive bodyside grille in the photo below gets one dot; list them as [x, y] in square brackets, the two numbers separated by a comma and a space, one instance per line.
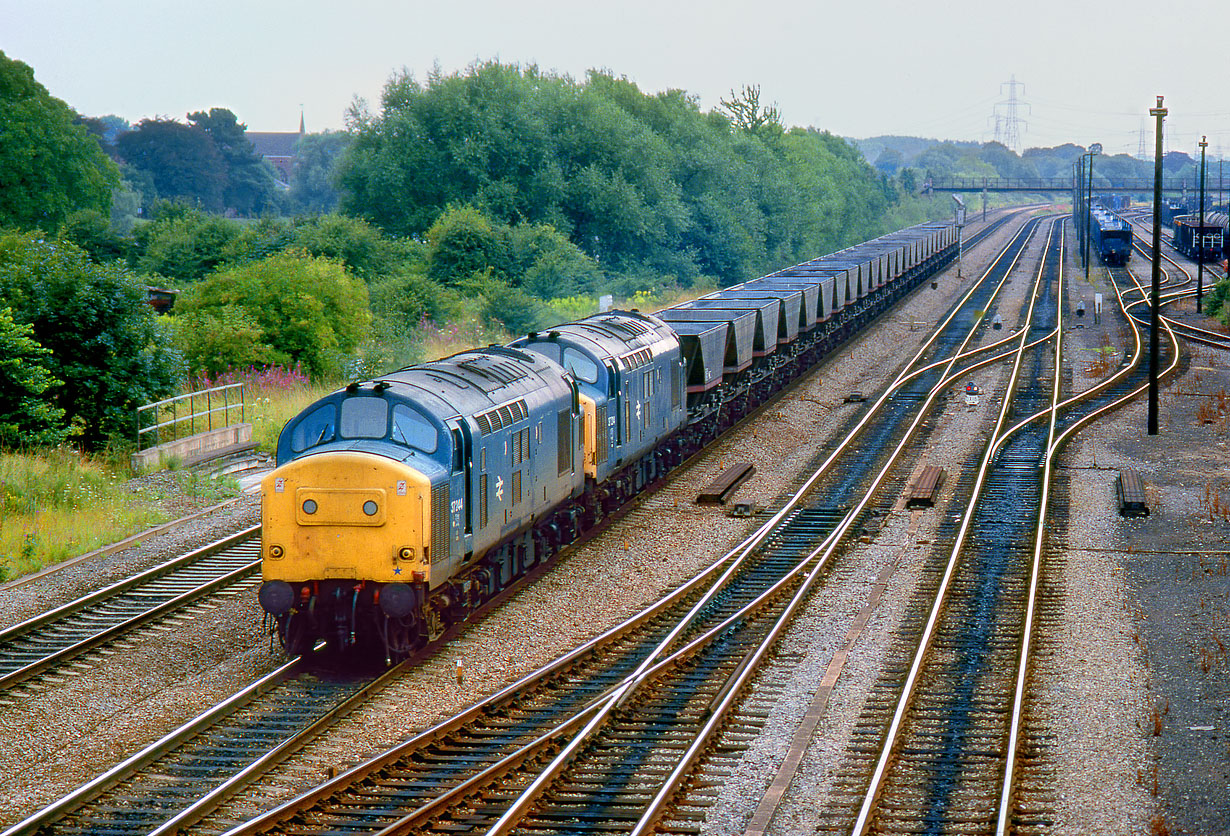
[603, 443]
[439, 523]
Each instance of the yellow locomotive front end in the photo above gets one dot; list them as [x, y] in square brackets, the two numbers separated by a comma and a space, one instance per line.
[346, 539]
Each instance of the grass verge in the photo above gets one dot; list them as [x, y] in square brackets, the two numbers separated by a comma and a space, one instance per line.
[57, 504]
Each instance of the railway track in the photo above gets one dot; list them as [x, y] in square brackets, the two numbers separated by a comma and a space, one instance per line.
[1176, 292]
[937, 710]
[719, 636]
[955, 738]
[175, 785]
[42, 643]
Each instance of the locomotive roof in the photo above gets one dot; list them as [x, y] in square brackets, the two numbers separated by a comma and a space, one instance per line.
[1108, 220]
[611, 334]
[474, 380]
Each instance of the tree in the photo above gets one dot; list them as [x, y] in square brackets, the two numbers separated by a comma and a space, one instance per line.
[183, 162]
[644, 185]
[49, 166]
[747, 114]
[889, 161]
[107, 349]
[313, 188]
[249, 181]
[462, 242]
[28, 418]
[308, 310]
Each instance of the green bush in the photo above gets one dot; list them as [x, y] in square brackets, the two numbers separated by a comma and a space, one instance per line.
[308, 310]
[463, 241]
[364, 250]
[107, 348]
[27, 417]
[407, 297]
[548, 265]
[184, 245]
[91, 230]
[215, 340]
[512, 307]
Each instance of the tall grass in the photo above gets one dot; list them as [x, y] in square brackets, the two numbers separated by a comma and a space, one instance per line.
[56, 504]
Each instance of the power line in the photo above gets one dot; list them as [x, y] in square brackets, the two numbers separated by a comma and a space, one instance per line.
[1007, 122]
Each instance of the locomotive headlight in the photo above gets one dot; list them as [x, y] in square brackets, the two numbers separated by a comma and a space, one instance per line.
[276, 551]
[309, 506]
[406, 553]
[370, 508]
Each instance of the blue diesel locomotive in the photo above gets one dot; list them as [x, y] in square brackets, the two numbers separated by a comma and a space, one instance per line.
[402, 504]
[1110, 236]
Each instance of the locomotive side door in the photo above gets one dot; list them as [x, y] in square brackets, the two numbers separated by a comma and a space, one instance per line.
[618, 403]
[461, 512]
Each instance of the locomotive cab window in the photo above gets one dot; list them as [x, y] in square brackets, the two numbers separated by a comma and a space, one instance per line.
[365, 418]
[580, 365]
[411, 428]
[317, 427]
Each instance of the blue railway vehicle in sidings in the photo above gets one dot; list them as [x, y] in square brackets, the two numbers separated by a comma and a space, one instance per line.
[1171, 209]
[1110, 236]
[401, 505]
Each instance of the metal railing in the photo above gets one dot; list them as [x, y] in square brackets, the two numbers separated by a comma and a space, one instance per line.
[189, 414]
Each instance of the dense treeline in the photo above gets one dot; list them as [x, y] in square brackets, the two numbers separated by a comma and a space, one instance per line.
[918, 159]
[637, 181]
[474, 206]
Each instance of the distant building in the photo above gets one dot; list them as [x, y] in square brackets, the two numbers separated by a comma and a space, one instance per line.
[278, 149]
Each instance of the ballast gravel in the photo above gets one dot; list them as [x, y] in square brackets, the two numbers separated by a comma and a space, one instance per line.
[1096, 693]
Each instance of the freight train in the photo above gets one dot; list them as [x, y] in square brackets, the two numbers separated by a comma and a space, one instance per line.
[1196, 241]
[402, 504]
[1222, 221]
[1110, 236]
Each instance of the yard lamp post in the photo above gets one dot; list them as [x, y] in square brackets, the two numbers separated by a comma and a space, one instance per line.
[1200, 245]
[959, 210]
[1159, 113]
[1094, 150]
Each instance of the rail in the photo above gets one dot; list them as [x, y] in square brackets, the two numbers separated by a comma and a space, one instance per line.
[233, 396]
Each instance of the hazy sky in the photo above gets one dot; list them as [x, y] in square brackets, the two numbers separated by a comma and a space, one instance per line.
[1089, 71]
